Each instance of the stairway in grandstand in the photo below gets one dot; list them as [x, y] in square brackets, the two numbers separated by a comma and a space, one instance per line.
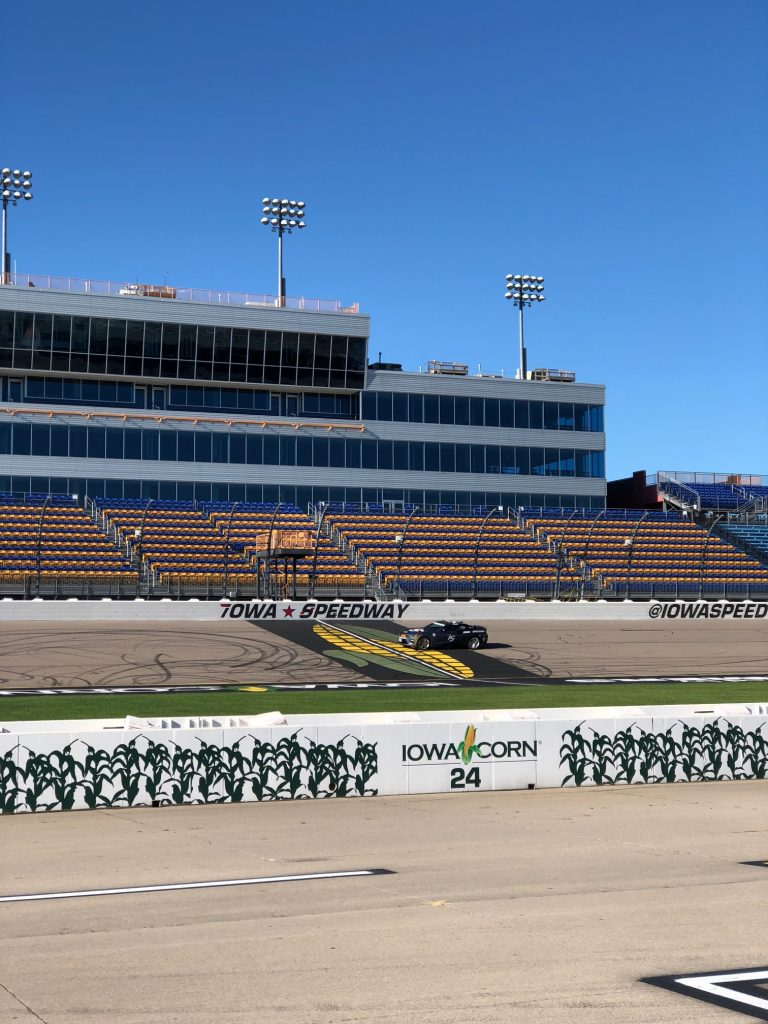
[752, 538]
[212, 545]
[631, 551]
[436, 555]
[48, 542]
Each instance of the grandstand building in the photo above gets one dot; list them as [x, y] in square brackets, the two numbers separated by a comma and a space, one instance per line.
[135, 391]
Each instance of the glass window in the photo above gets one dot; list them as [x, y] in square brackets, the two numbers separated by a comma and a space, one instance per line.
[254, 449]
[150, 444]
[565, 417]
[446, 409]
[339, 353]
[550, 415]
[400, 408]
[303, 451]
[90, 391]
[125, 393]
[41, 439]
[431, 409]
[508, 460]
[537, 461]
[523, 461]
[36, 387]
[596, 420]
[6, 328]
[552, 461]
[492, 459]
[447, 458]
[272, 350]
[78, 442]
[108, 392]
[114, 443]
[368, 405]
[71, 390]
[415, 408]
[60, 440]
[432, 456]
[204, 344]
[522, 417]
[219, 447]
[567, 462]
[178, 395]
[239, 345]
[369, 458]
[167, 445]
[356, 355]
[336, 452]
[416, 455]
[187, 341]
[385, 454]
[202, 447]
[477, 412]
[152, 338]
[506, 413]
[319, 451]
[287, 450]
[581, 416]
[353, 452]
[384, 406]
[131, 443]
[461, 411]
[272, 450]
[491, 412]
[62, 332]
[463, 458]
[536, 415]
[400, 455]
[96, 442]
[237, 448]
[477, 458]
[222, 344]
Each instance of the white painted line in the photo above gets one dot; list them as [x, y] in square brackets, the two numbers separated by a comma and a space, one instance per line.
[265, 880]
[713, 985]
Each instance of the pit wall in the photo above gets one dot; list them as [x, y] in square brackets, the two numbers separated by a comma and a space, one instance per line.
[395, 611]
[47, 766]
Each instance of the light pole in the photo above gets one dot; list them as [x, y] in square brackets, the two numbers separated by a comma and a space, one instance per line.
[495, 511]
[400, 542]
[703, 566]
[524, 290]
[232, 511]
[15, 185]
[630, 544]
[283, 216]
[585, 558]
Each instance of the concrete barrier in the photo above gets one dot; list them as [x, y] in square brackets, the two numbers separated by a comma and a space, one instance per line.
[396, 611]
[132, 762]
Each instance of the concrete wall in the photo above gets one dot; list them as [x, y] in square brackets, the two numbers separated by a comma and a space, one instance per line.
[420, 611]
[73, 765]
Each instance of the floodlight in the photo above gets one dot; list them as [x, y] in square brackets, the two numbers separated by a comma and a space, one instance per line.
[283, 220]
[524, 289]
[15, 185]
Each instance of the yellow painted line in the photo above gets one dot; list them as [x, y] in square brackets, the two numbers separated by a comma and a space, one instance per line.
[348, 641]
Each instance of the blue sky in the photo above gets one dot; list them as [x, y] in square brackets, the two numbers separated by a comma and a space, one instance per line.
[619, 149]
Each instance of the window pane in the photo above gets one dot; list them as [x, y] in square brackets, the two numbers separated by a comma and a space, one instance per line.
[385, 454]
[536, 415]
[432, 457]
[550, 415]
[114, 443]
[271, 450]
[320, 451]
[237, 448]
[287, 451]
[336, 452]
[416, 455]
[477, 412]
[446, 409]
[59, 440]
[565, 419]
[384, 406]
[353, 452]
[40, 439]
[96, 442]
[522, 414]
[415, 408]
[78, 442]
[431, 409]
[491, 412]
[150, 444]
[369, 454]
[507, 413]
[369, 405]
[219, 447]
[447, 458]
[400, 455]
[461, 411]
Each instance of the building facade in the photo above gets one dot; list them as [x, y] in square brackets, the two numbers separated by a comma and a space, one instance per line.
[213, 397]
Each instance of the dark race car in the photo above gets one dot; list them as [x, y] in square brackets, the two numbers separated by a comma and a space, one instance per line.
[445, 634]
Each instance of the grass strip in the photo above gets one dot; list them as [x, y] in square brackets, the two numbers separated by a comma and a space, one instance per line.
[14, 709]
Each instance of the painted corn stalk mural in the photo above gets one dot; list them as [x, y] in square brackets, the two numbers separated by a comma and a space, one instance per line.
[142, 771]
[717, 751]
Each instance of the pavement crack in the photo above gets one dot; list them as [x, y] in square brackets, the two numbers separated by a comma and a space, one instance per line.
[22, 1003]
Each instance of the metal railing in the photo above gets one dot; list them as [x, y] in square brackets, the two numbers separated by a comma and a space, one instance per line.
[166, 293]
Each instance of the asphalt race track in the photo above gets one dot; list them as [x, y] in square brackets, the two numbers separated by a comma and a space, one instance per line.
[53, 655]
[540, 907]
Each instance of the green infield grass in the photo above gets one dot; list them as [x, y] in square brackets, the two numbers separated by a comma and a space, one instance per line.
[238, 702]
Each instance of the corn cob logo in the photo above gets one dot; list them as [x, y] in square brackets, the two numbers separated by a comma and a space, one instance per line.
[467, 747]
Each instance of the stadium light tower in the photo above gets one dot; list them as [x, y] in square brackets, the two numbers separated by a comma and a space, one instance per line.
[524, 289]
[14, 185]
[283, 216]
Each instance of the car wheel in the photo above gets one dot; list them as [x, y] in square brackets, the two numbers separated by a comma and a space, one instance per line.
[422, 644]
[473, 643]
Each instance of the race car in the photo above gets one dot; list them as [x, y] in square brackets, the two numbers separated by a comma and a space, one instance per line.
[445, 633]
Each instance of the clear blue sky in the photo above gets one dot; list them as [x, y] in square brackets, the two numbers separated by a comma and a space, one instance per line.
[617, 147]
